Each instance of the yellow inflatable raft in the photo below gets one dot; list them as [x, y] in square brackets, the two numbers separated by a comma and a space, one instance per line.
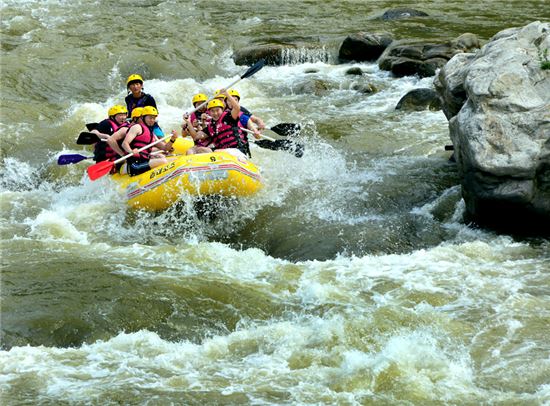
[217, 173]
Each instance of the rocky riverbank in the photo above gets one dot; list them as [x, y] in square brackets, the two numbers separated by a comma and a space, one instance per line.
[497, 101]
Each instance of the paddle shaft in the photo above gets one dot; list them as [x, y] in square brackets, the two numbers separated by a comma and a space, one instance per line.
[261, 135]
[252, 70]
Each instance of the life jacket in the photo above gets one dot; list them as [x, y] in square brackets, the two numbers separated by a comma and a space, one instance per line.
[102, 150]
[225, 133]
[109, 152]
[145, 138]
[205, 141]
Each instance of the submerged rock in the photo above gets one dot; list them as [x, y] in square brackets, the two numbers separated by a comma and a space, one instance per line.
[498, 105]
[400, 13]
[419, 99]
[357, 71]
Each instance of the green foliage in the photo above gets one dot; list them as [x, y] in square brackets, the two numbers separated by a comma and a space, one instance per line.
[544, 62]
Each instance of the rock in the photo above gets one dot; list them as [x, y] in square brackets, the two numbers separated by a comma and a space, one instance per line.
[311, 70]
[422, 59]
[273, 54]
[279, 54]
[354, 71]
[317, 87]
[399, 13]
[419, 99]
[366, 88]
[364, 46]
[467, 42]
[498, 105]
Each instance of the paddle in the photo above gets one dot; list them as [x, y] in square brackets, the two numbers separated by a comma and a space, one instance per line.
[103, 168]
[278, 145]
[286, 129]
[91, 126]
[71, 159]
[87, 138]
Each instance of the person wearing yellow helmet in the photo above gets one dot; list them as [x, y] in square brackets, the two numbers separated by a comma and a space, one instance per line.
[197, 120]
[258, 122]
[115, 140]
[198, 116]
[223, 129]
[136, 96]
[139, 135]
[105, 129]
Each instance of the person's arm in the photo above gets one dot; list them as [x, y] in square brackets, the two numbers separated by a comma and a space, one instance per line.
[103, 130]
[167, 146]
[197, 135]
[250, 125]
[235, 106]
[132, 133]
[258, 121]
[112, 141]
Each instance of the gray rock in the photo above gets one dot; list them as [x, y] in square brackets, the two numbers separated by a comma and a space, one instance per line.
[419, 99]
[400, 13]
[364, 46]
[365, 88]
[498, 104]
[317, 87]
[280, 54]
[423, 59]
[272, 54]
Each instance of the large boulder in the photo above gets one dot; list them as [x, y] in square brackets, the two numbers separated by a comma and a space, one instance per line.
[364, 46]
[498, 104]
[272, 54]
[280, 54]
[405, 58]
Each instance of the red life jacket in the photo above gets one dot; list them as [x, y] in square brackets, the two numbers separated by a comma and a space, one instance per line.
[110, 153]
[102, 150]
[225, 133]
[200, 143]
[146, 137]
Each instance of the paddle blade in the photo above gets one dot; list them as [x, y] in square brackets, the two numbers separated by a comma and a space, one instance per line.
[253, 69]
[286, 129]
[91, 126]
[100, 169]
[86, 138]
[282, 145]
[71, 159]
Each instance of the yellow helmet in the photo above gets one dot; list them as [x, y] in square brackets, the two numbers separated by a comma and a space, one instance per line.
[215, 103]
[134, 78]
[117, 109]
[199, 97]
[137, 112]
[149, 111]
[219, 95]
[234, 93]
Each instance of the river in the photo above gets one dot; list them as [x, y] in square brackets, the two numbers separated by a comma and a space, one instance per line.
[350, 279]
